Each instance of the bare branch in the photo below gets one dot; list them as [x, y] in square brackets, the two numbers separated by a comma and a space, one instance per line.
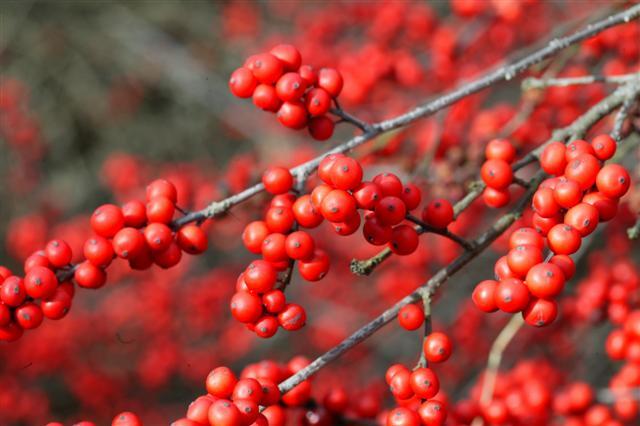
[542, 83]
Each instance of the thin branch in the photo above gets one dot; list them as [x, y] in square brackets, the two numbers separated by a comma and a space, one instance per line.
[542, 83]
[426, 228]
[505, 73]
[426, 304]
[634, 232]
[579, 126]
[349, 118]
[622, 116]
[426, 290]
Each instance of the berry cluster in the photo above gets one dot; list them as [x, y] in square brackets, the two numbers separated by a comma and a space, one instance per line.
[496, 172]
[253, 399]
[567, 208]
[141, 234]
[278, 82]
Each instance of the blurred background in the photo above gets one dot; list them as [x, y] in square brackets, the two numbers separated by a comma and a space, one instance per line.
[98, 98]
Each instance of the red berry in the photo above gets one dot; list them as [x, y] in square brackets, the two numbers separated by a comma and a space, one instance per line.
[484, 295]
[330, 80]
[437, 347]
[402, 416]
[411, 196]
[496, 198]
[338, 206]
[439, 213]
[526, 236]
[566, 264]
[583, 169]
[583, 218]
[389, 184]
[321, 128]
[260, 276]
[315, 268]
[224, 413]
[553, 159]
[540, 312]
[293, 115]
[57, 306]
[274, 301]
[346, 173]
[242, 83]
[318, 102]
[160, 210]
[288, 55]
[522, 258]
[29, 316]
[221, 382]
[291, 87]
[613, 181]
[496, 174]
[89, 276]
[162, 188]
[432, 413]
[279, 219]
[567, 193]
[107, 220]
[129, 243]
[577, 148]
[58, 252]
[424, 383]
[265, 67]
[411, 317]
[511, 295]
[192, 239]
[253, 236]
[305, 212]
[367, 195]
[308, 74]
[545, 280]
[607, 208]
[274, 249]
[292, 317]
[390, 211]
[266, 98]
[299, 245]
[544, 203]
[500, 149]
[158, 236]
[40, 283]
[98, 251]
[12, 291]
[404, 240]
[376, 233]
[563, 239]
[604, 146]
[277, 180]
[135, 214]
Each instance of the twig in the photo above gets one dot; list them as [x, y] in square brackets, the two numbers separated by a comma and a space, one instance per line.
[542, 83]
[579, 126]
[349, 118]
[426, 228]
[427, 289]
[426, 304]
[634, 232]
[622, 115]
[506, 73]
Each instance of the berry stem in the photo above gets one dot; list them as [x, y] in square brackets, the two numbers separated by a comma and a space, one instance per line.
[426, 228]
[426, 303]
[531, 83]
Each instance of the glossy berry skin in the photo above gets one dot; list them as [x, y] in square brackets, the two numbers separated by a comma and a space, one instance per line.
[544, 204]
[402, 416]
[404, 240]
[582, 217]
[540, 312]
[607, 208]
[500, 149]
[293, 115]
[192, 239]
[432, 413]
[128, 243]
[28, 316]
[439, 213]
[299, 245]
[292, 317]
[511, 295]
[325, 168]
[40, 283]
[318, 102]
[315, 268]
[107, 220]
[411, 196]
[220, 382]
[604, 147]
[224, 413]
[160, 210]
[545, 280]
[88, 275]
[411, 317]
[496, 198]
[253, 236]
[279, 219]
[566, 264]
[158, 236]
[330, 80]
[12, 291]
[389, 184]
[288, 55]
[309, 74]
[567, 193]
[135, 214]
[277, 180]
[58, 305]
[260, 276]
[522, 258]
[613, 181]
[496, 174]
[338, 206]
[376, 233]
[367, 195]
[165, 259]
[583, 169]
[553, 158]
[424, 383]
[274, 301]
[273, 248]
[305, 213]
[266, 68]
[266, 98]
[483, 296]
[58, 252]
[437, 347]
[563, 239]
[321, 128]
[526, 236]
[400, 384]
[501, 269]
[126, 418]
[242, 83]
[578, 147]
[161, 188]
[290, 87]
[390, 211]
[346, 173]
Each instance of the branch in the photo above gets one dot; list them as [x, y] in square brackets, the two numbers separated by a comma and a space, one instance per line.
[505, 73]
[426, 228]
[349, 118]
[634, 232]
[426, 304]
[542, 83]
[426, 290]
[578, 127]
[623, 114]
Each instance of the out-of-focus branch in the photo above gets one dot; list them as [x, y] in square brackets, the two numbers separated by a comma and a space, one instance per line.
[542, 83]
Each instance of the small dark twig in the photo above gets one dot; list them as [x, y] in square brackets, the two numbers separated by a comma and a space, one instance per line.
[426, 228]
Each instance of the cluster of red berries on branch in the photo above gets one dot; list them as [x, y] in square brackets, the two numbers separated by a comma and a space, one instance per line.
[278, 82]
[567, 208]
[417, 392]
[142, 234]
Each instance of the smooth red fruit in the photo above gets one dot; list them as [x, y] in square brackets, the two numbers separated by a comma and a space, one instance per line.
[242, 82]
[411, 196]
[411, 317]
[338, 206]
[404, 240]
[162, 188]
[265, 67]
[496, 198]
[292, 317]
[274, 301]
[29, 316]
[567, 193]
[496, 174]
[58, 305]
[483, 295]
[107, 220]
[318, 102]
[553, 158]
[577, 148]
[526, 236]
[135, 214]
[166, 258]
[321, 128]
[291, 87]
[545, 280]
[346, 173]
[500, 149]
[390, 210]
[266, 98]
[305, 213]
[389, 184]
[400, 384]
[604, 146]
[583, 169]
[288, 55]
[563, 239]
[540, 312]
[348, 227]
[432, 413]
[160, 210]
[158, 236]
[367, 195]
[542, 225]
[402, 416]
[299, 245]
[126, 418]
[277, 180]
[501, 269]
[253, 236]
[511, 295]
[437, 347]
[424, 383]
[88, 275]
[315, 268]
[330, 80]
[260, 276]
[325, 168]
[582, 217]
[293, 115]
[439, 213]
[308, 74]
[12, 291]
[224, 413]
[544, 204]
[522, 258]
[58, 252]
[40, 283]
[375, 232]
[613, 181]
[220, 382]
[279, 219]
[274, 249]
[566, 264]
[128, 243]
[192, 239]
